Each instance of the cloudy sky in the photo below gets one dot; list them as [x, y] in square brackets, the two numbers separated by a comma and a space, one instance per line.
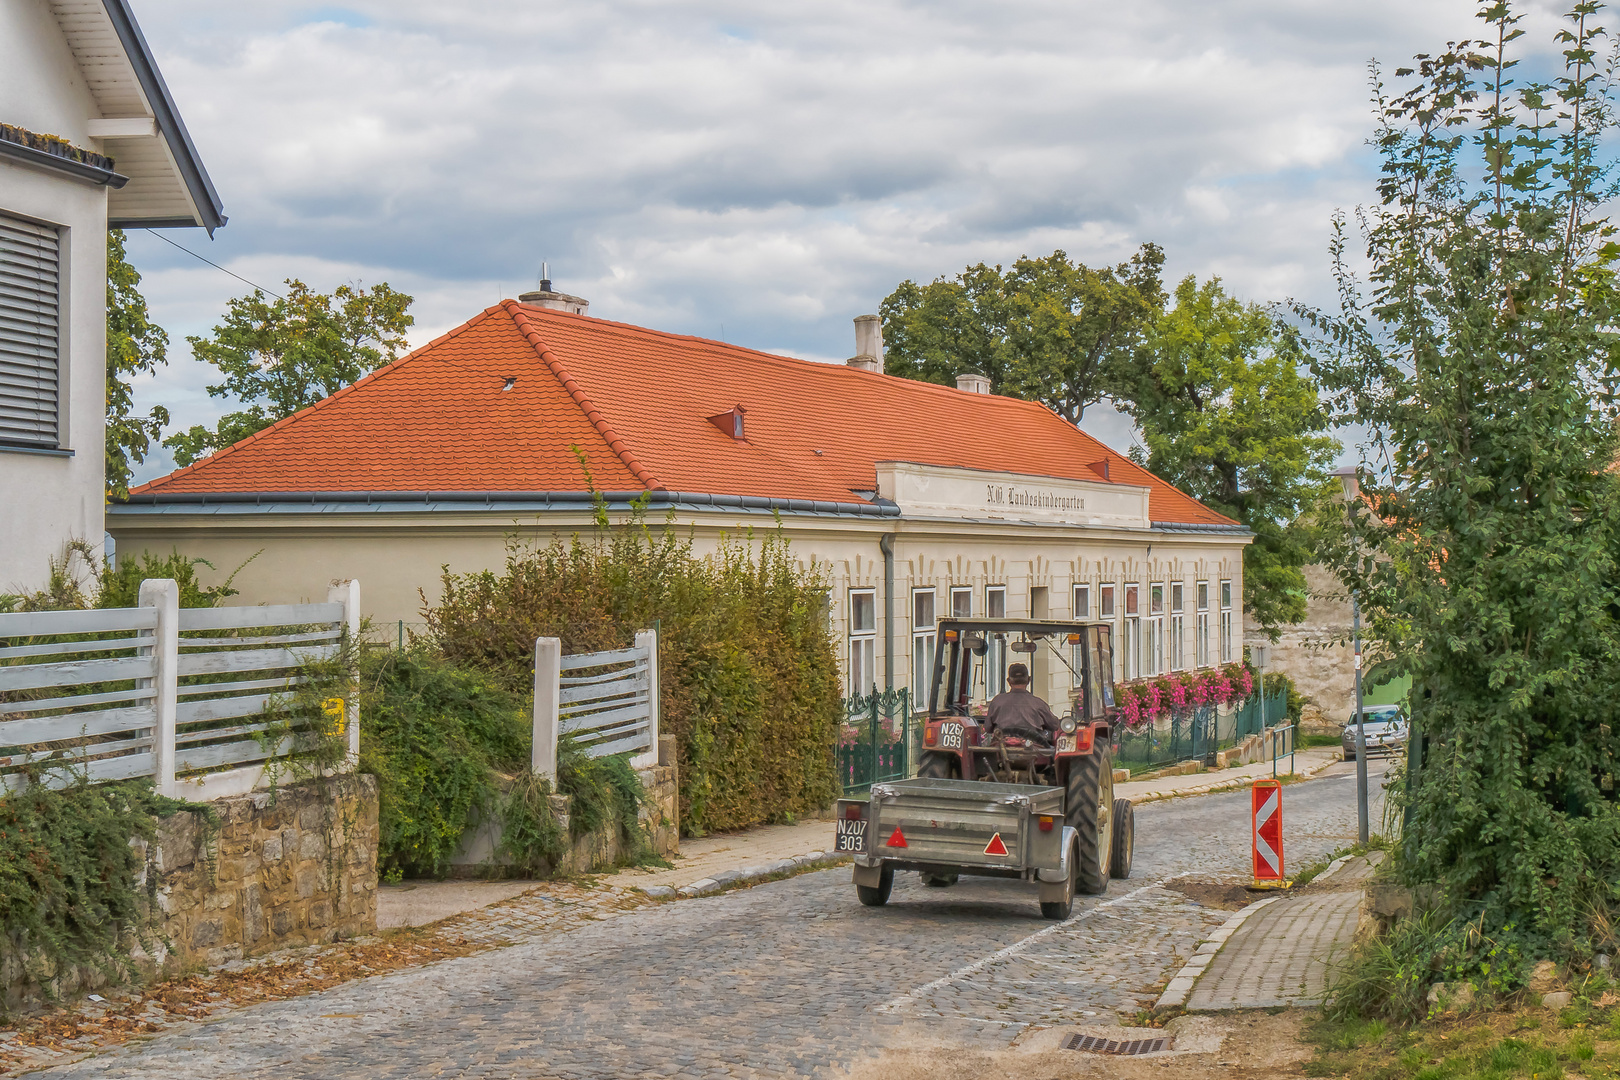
[758, 172]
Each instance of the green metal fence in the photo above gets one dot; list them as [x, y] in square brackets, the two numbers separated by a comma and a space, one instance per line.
[876, 743]
[1195, 734]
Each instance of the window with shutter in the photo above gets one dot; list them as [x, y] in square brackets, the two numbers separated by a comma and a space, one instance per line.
[30, 333]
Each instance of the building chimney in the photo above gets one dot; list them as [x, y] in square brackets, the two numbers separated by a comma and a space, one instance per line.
[973, 383]
[868, 344]
[546, 297]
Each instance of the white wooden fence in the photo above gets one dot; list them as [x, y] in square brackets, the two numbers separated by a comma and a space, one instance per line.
[165, 685]
[608, 701]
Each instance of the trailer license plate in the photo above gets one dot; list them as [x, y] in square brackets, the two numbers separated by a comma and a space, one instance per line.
[851, 835]
[950, 736]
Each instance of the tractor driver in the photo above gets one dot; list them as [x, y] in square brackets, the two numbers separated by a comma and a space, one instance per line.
[1019, 712]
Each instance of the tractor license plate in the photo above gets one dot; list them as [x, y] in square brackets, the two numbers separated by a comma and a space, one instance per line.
[950, 736]
[852, 836]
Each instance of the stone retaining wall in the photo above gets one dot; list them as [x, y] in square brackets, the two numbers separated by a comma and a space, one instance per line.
[297, 867]
[293, 867]
[597, 850]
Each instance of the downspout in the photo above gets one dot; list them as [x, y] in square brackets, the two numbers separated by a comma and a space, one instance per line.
[886, 545]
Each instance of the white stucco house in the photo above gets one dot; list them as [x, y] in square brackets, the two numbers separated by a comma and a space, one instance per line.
[89, 139]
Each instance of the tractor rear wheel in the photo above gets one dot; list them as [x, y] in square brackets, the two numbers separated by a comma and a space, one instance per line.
[1124, 826]
[1088, 799]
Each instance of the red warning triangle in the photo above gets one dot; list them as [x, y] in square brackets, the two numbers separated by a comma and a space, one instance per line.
[897, 839]
[995, 846]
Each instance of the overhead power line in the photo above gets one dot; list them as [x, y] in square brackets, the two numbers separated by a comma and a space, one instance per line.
[215, 265]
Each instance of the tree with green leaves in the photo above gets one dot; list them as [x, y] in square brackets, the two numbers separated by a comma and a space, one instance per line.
[135, 345]
[1229, 415]
[279, 355]
[1049, 329]
[1480, 354]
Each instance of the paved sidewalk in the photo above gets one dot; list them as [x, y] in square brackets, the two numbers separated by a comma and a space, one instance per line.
[1307, 762]
[1278, 951]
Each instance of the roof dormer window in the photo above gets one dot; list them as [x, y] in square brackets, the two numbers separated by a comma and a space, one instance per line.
[730, 422]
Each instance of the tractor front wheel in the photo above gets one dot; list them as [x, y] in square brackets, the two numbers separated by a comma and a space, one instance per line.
[938, 766]
[1088, 800]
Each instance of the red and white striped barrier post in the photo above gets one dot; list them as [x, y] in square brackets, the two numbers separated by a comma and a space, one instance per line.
[1266, 800]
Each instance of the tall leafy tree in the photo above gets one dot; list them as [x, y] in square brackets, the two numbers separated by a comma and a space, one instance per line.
[1480, 352]
[1229, 414]
[135, 346]
[1048, 329]
[281, 355]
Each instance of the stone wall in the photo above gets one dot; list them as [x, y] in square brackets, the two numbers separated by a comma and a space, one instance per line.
[295, 868]
[596, 850]
[298, 867]
[1322, 670]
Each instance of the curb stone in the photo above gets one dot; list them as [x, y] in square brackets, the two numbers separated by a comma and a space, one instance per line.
[1218, 785]
[742, 875]
[1333, 868]
[1180, 987]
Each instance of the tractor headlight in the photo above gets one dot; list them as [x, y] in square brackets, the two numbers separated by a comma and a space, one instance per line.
[1069, 724]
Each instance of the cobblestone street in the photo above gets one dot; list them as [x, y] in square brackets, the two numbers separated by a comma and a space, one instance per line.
[789, 978]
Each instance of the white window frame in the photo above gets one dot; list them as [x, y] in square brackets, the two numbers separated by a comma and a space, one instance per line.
[995, 657]
[1226, 622]
[962, 592]
[1131, 639]
[1178, 625]
[1082, 613]
[1154, 661]
[924, 638]
[862, 647]
[1108, 612]
[1201, 642]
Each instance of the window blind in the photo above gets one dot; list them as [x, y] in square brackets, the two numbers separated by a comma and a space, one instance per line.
[30, 333]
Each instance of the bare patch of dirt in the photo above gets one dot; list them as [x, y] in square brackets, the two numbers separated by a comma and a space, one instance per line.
[1251, 1045]
[1226, 897]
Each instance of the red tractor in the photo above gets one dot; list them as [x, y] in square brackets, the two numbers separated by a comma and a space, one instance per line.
[969, 658]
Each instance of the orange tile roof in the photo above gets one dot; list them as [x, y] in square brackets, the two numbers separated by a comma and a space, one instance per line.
[632, 406]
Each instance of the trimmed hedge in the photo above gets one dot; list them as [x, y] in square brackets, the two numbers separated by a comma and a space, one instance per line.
[749, 682]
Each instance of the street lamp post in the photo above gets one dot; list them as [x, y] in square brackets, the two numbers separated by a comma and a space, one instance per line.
[1352, 489]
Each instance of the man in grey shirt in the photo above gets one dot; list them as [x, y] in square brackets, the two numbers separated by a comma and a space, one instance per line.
[1019, 712]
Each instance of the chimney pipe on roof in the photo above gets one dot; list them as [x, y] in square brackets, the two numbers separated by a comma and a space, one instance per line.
[547, 297]
[868, 344]
[973, 383]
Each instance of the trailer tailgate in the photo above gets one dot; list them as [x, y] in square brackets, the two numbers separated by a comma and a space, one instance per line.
[958, 822]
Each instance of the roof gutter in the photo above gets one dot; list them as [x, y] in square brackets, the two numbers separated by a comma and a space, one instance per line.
[540, 499]
[210, 212]
[78, 170]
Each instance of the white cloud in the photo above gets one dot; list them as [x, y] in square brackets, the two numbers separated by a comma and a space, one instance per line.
[770, 169]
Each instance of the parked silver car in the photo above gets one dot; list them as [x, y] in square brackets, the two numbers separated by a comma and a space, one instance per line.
[1385, 729]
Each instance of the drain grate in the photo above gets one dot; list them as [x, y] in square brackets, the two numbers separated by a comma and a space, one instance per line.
[1092, 1044]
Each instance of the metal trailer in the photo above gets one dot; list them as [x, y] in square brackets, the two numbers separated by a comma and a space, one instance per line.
[1032, 809]
[943, 828]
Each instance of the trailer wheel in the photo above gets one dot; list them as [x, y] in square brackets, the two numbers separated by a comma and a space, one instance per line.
[1124, 826]
[1060, 910]
[937, 766]
[877, 895]
[1090, 789]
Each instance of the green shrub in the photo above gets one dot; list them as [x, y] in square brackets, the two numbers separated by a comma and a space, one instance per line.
[451, 747]
[70, 893]
[749, 678]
